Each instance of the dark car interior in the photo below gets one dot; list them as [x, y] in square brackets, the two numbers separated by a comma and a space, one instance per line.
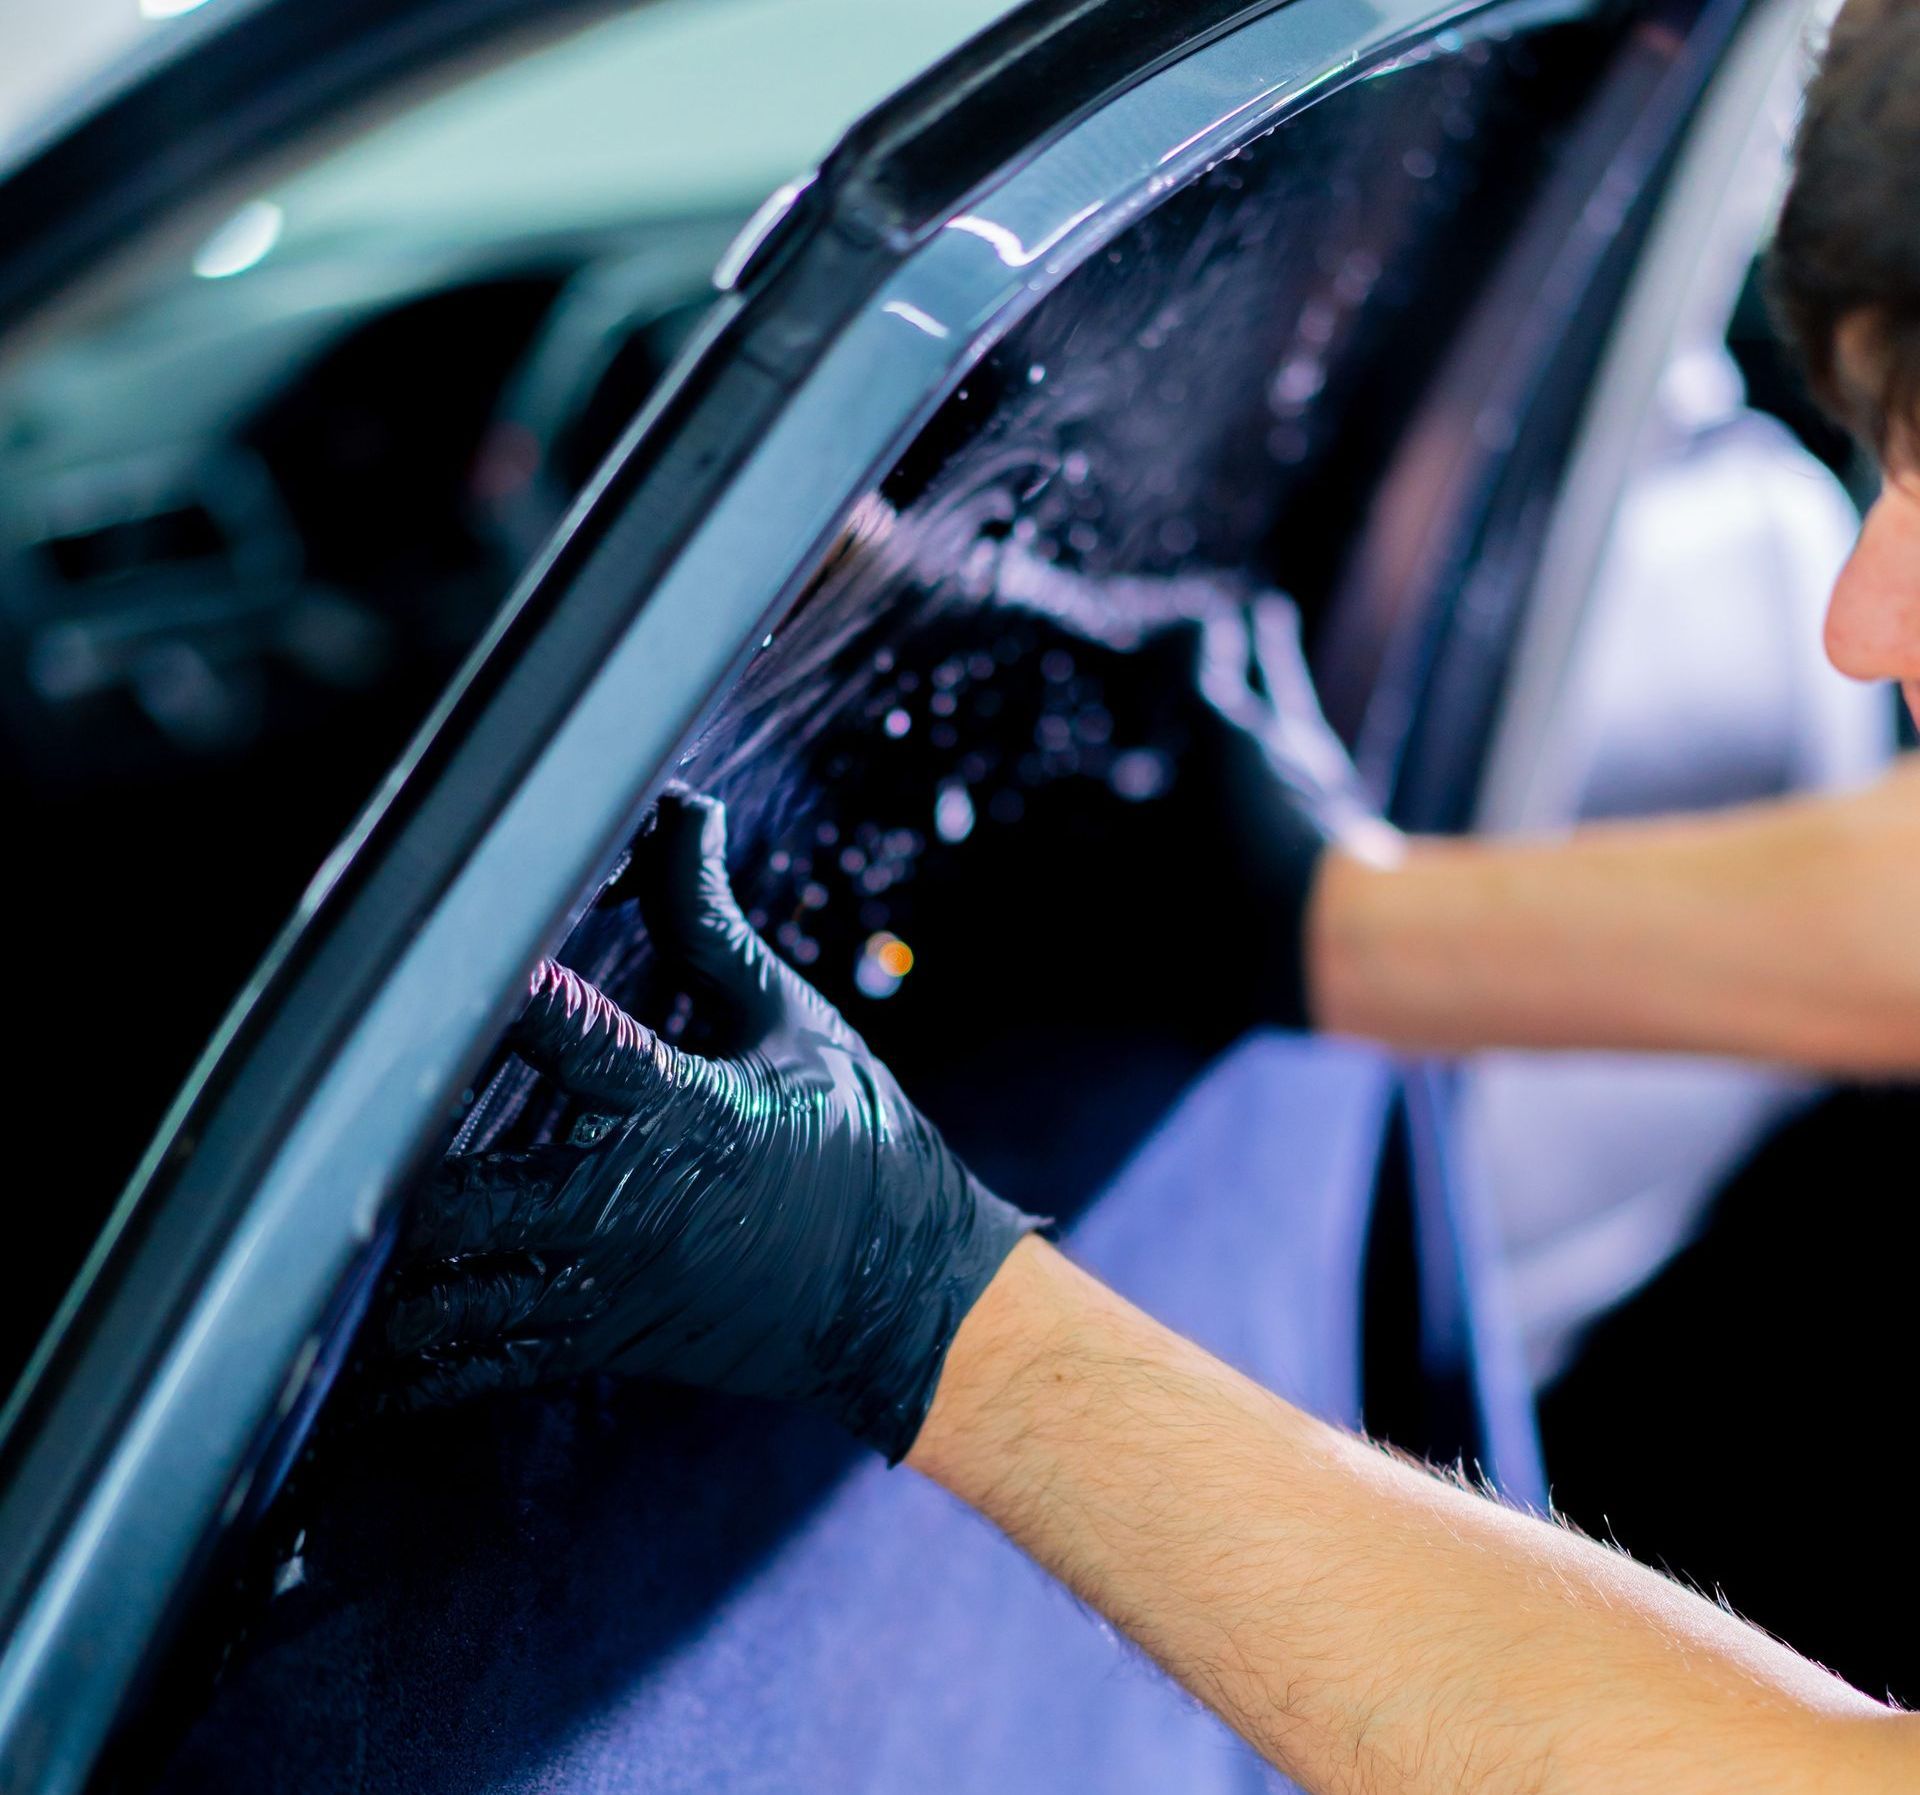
[250, 527]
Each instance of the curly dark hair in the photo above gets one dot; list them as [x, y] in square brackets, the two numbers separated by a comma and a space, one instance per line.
[1848, 244]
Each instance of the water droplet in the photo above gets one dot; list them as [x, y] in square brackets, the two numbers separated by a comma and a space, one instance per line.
[1298, 382]
[813, 896]
[1140, 774]
[1056, 666]
[897, 723]
[1178, 536]
[953, 812]
[1036, 374]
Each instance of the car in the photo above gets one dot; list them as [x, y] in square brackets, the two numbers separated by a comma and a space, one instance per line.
[429, 426]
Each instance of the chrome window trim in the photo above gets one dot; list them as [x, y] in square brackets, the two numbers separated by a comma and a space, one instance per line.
[245, 1345]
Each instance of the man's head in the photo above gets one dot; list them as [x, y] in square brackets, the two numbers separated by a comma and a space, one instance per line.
[1846, 283]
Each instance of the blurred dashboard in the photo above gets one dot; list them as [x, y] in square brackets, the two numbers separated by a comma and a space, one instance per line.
[224, 511]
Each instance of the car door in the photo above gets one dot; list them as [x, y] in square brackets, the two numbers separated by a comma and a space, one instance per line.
[1116, 321]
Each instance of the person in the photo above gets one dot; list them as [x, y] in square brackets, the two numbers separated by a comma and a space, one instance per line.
[780, 1221]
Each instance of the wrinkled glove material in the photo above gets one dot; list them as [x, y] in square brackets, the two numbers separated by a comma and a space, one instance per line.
[780, 1222]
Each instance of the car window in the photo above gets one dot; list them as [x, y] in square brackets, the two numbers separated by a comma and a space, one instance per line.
[260, 495]
[967, 780]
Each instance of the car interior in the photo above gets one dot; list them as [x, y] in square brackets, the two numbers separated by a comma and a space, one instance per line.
[257, 508]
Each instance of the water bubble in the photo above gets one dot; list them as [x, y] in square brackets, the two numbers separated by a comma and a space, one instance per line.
[1036, 374]
[827, 834]
[813, 896]
[897, 723]
[1056, 666]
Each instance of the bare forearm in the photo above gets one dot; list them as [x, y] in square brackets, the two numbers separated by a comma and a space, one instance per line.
[1782, 932]
[1367, 1626]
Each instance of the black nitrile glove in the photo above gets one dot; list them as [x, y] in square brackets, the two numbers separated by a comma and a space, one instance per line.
[1263, 753]
[779, 1223]
[1267, 785]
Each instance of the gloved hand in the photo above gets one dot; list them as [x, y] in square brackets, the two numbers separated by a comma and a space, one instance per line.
[1264, 755]
[778, 1223]
[1265, 783]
